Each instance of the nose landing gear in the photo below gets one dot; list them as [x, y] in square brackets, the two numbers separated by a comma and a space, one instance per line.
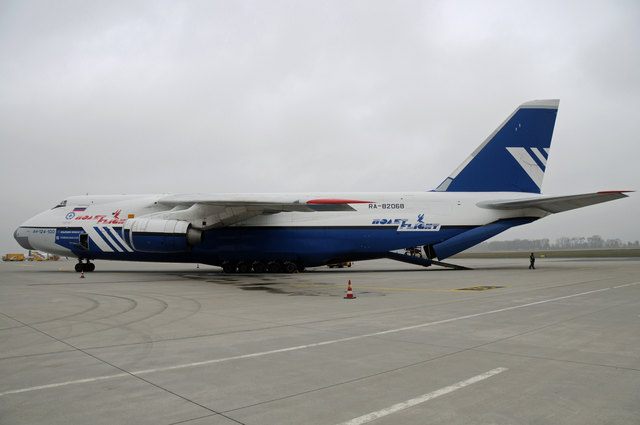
[84, 267]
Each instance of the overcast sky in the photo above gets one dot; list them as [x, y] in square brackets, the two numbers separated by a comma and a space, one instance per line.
[292, 96]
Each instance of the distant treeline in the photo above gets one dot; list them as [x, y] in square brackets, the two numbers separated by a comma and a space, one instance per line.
[592, 242]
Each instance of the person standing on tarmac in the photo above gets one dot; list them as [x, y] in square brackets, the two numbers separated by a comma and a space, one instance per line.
[532, 261]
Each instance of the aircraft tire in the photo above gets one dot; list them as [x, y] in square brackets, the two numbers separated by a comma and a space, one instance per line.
[290, 267]
[274, 267]
[228, 267]
[259, 267]
[79, 267]
[244, 267]
[89, 267]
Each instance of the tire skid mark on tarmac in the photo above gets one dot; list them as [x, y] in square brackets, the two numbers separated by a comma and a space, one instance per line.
[131, 332]
[126, 324]
[94, 304]
[194, 306]
[100, 313]
[100, 321]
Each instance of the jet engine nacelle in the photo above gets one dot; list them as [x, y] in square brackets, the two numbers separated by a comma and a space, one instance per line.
[158, 235]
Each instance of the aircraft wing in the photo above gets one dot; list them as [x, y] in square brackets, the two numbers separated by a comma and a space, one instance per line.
[225, 210]
[555, 204]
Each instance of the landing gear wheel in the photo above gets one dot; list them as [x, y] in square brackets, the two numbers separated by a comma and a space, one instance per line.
[84, 267]
[244, 267]
[290, 267]
[259, 267]
[274, 267]
[228, 267]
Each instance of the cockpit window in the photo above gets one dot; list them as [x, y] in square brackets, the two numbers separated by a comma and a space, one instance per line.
[60, 205]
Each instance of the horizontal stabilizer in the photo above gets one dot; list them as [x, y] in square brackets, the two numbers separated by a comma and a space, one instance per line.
[555, 204]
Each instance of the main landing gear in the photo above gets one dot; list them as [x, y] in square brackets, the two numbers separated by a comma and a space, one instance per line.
[84, 267]
[261, 267]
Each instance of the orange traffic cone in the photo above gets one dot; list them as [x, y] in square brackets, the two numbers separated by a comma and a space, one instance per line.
[82, 275]
[350, 295]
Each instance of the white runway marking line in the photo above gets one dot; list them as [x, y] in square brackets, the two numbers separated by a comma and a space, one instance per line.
[423, 398]
[302, 347]
[62, 384]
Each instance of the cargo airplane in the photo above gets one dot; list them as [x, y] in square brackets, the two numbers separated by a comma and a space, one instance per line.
[496, 188]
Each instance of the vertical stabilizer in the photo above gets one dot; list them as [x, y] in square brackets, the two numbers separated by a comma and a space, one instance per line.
[513, 158]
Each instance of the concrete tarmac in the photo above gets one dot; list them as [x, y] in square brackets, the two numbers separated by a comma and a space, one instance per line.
[136, 343]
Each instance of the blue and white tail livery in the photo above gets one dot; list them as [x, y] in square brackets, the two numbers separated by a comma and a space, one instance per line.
[496, 188]
[513, 158]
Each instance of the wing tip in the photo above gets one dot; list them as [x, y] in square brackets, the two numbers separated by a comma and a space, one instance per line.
[615, 194]
[616, 191]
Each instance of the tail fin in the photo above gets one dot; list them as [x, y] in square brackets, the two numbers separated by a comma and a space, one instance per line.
[514, 156]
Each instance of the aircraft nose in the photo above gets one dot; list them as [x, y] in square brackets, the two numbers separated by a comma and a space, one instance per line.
[20, 235]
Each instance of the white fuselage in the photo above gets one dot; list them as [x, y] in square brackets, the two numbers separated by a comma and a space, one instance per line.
[415, 218]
